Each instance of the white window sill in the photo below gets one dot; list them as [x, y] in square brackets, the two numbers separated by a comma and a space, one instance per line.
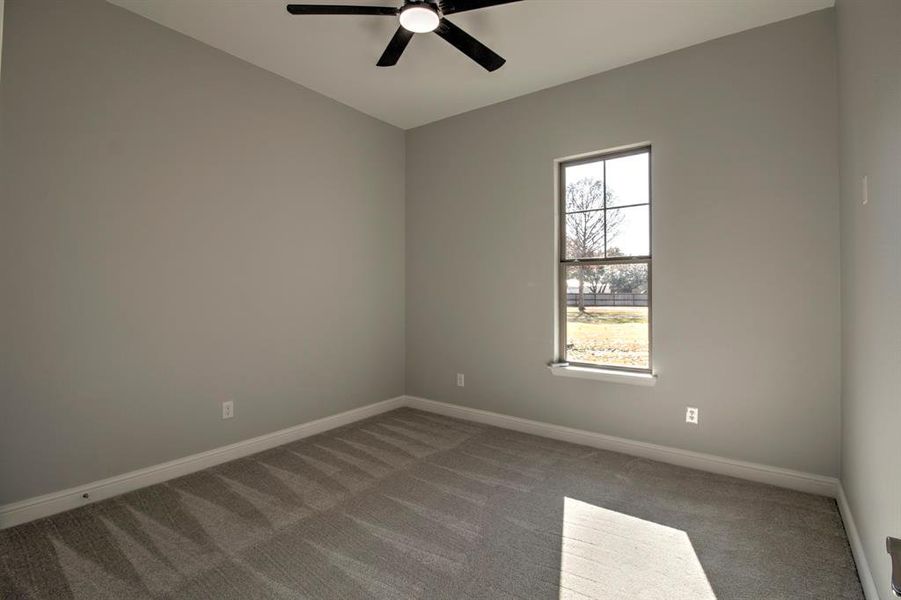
[608, 375]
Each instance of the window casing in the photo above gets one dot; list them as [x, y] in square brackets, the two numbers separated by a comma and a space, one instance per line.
[604, 261]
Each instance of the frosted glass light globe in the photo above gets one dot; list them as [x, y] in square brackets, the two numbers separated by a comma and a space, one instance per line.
[419, 18]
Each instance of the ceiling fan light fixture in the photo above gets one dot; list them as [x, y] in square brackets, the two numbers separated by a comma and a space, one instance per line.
[419, 18]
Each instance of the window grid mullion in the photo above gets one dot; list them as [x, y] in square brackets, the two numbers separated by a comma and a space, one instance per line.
[613, 260]
[588, 210]
[605, 208]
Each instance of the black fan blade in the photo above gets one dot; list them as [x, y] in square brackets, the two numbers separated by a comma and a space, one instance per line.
[469, 46]
[333, 9]
[395, 47]
[449, 7]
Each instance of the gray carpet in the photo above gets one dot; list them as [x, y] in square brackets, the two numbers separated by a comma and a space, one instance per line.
[414, 505]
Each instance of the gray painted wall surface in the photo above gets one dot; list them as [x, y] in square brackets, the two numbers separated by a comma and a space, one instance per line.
[746, 243]
[179, 228]
[869, 52]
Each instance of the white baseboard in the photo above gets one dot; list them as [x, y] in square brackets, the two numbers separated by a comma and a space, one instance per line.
[49, 504]
[785, 478]
[863, 567]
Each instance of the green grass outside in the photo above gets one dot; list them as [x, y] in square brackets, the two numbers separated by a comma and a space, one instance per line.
[608, 335]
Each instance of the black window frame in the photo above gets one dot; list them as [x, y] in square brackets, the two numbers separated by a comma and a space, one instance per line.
[563, 262]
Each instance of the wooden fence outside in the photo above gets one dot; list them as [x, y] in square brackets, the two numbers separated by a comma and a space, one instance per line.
[572, 299]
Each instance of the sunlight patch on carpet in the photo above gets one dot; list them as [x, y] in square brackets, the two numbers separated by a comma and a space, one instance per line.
[607, 554]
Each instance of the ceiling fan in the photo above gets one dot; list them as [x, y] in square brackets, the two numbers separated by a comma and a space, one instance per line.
[419, 16]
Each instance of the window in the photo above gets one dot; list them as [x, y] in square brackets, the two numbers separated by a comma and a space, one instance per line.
[605, 261]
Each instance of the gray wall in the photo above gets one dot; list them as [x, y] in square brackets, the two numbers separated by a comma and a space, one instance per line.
[869, 51]
[746, 244]
[180, 228]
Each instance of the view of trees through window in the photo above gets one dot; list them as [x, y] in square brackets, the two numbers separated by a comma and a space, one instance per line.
[605, 260]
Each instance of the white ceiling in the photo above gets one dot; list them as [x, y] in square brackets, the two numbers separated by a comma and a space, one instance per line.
[545, 42]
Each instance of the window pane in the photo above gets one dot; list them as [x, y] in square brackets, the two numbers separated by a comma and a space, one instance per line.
[628, 231]
[627, 180]
[607, 315]
[584, 186]
[585, 235]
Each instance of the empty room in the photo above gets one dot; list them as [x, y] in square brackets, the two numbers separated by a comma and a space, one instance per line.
[450, 299]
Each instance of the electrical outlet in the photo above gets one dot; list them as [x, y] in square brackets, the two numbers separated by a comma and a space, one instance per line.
[460, 380]
[691, 415]
[228, 409]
